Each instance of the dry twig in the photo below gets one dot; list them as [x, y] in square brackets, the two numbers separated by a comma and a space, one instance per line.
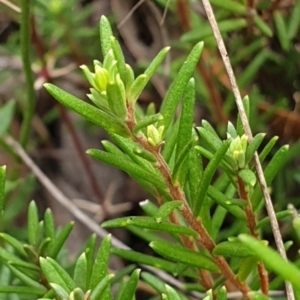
[239, 103]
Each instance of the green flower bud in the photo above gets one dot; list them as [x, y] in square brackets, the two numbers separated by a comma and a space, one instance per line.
[101, 78]
[237, 150]
[154, 135]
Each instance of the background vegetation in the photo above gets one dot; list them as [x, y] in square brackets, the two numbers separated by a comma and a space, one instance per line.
[48, 42]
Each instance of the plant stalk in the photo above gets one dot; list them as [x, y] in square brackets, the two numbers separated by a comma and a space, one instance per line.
[30, 93]
[178, 194]
[251, 220]
[246, 126]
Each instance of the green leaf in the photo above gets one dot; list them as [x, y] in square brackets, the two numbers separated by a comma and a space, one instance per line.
[21, 290]
[130, 148]
[122, 273]
[209, 295]
[226, 202]
[61, 293]
[101, 288]
[100, 268]
[180, 168]
[87, 111]
[129, 77]
[15, 243]
[6, 115]
[247, 176]
[149, 207]
[222, 293]
[230, 6]
[294, 23]
[263, 26]
[139, 84]
[43, 247]
[89, 76]
[118, 53]
[52, 275]
[270, 171]
[186, 117]
[232, 249]
[279, 216]
[2, 187]
[272, 259]
[253, 67]
[184, 142]
[244, 54]
[80, 272]
[146, 121]
[136, 88]
[247, 265]
[224, 26]
[183, 255]
[195, 171]
[28, 281]
[60, 240]
[105, 34]
[178, 86]
[170, 142]
[149, 223]
[231, 130]
[156, 62]
[281, 30]
[212, 140]
[139, 151]
[129, 291]
[253, 146]
[156, 283]
[131, 168]
[121, 288]
[267, 149]
[77, 294]
[171, 293]
[116, 98]
[147, 260]
[62, 273]
[89, 252]
[33, 222]
[49, 224]
[166, 209]
[208, 174]
[239, 125]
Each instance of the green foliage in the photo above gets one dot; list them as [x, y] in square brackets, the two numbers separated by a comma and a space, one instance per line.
[200, 179]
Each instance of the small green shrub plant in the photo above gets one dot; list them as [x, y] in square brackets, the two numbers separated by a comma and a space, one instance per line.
[201, 183]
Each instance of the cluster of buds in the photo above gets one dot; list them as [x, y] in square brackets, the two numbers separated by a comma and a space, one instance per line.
[237, 150]
[110, 83]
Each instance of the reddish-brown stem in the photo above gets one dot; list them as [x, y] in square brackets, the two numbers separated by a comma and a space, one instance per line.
[251, 222]
[178, 194]
[189, 243]
[250, 4]
[41, 51]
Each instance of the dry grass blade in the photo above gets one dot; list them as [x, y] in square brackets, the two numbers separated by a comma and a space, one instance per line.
[239, 103]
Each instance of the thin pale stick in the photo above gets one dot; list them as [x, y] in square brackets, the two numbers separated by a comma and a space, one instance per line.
[11, 6]
[240, 106]
[136, 6]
